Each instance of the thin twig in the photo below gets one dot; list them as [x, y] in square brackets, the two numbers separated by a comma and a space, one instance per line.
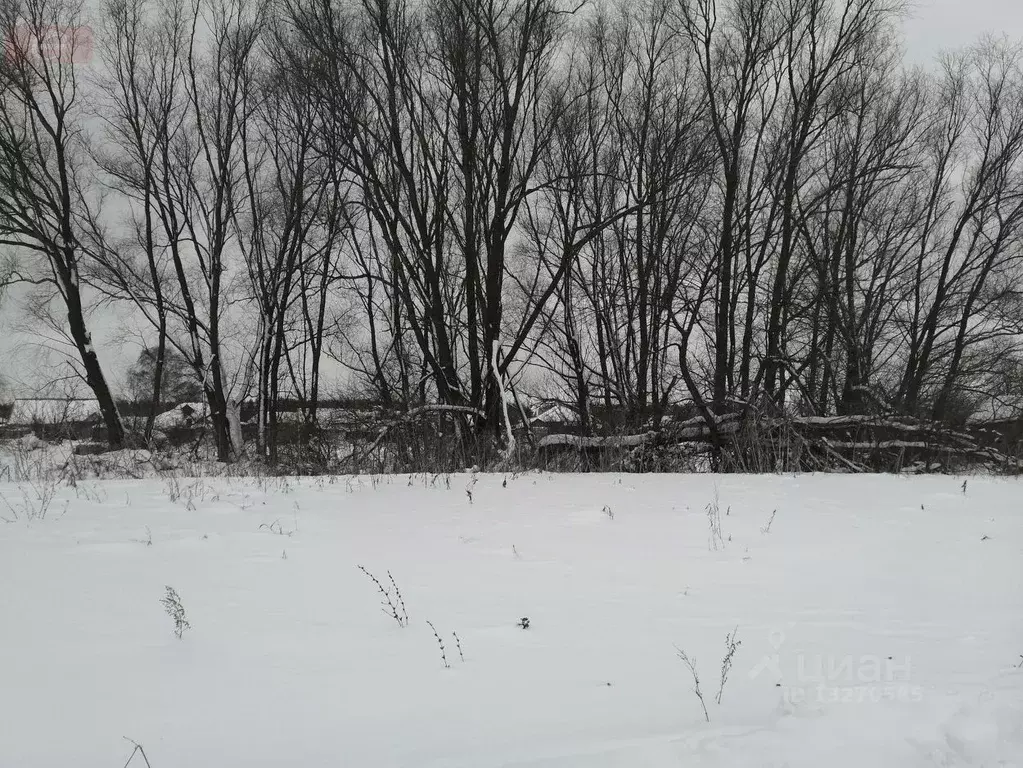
[443, 655]
[389, 606]
[139, 750]
[696, 680]
[401, 600]
[731, 646]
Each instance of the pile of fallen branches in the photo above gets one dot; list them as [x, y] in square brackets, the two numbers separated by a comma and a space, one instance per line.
[418, 439]
[751, 442]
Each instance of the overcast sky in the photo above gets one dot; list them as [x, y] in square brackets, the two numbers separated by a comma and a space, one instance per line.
[939, 24]
[933, 26]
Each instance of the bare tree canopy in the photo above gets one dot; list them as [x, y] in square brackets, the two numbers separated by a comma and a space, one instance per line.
[622, 207]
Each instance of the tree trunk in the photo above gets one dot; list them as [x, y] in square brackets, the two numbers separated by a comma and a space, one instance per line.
[93, 371]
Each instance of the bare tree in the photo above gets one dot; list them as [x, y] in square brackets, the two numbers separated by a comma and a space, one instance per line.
[739, 49]
[859, 224]
[971, 227]
[177, 152]
[823, 41]
[446, 112]
[42, 164]
[640, 172]
[296, 216]
[139, 87]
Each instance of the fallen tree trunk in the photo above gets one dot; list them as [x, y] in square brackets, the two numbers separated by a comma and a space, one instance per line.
[580, 442]
[859, 443]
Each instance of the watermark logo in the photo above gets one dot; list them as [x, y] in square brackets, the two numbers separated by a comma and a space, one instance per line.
[51, 44]
[834, 679]
[771, 664]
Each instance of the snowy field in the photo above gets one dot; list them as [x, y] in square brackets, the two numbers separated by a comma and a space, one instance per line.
[880, 622]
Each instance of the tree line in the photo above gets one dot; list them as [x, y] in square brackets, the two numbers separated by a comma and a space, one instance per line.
[730, 202]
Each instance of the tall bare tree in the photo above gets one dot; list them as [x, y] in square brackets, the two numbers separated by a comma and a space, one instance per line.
[43, 171]
[293, 225]
[181, 84]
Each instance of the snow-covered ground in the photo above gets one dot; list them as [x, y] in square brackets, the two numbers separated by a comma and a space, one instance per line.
[880, 620]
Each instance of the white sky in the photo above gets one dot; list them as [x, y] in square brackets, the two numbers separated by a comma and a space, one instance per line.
[940, 24]
[933, 26]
